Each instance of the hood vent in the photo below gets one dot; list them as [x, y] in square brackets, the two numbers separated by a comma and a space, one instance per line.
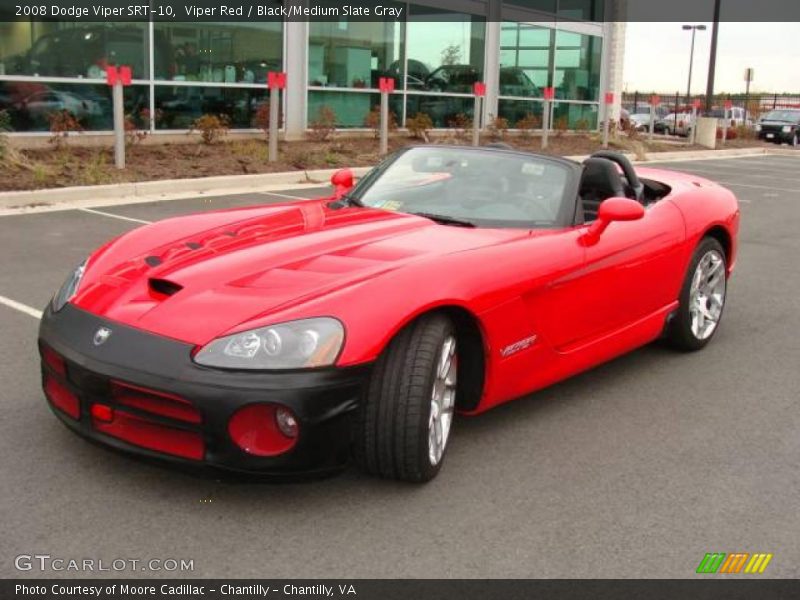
[164, 287]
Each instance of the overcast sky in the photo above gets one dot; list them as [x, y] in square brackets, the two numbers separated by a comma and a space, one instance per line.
[657, 57]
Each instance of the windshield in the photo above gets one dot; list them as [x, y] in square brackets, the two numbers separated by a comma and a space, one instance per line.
[782, 115]
[487, 188]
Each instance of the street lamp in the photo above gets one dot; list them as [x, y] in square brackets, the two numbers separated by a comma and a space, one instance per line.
[694, 29]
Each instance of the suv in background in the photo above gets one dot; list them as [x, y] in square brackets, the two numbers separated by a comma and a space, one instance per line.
[780, 126]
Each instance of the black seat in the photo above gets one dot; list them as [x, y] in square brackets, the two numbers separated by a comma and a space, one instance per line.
[600, 180]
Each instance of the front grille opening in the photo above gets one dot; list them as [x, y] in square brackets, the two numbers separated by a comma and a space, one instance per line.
[157, 403]
[164, 287]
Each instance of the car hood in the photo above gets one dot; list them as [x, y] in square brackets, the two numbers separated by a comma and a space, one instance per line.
[194, 278]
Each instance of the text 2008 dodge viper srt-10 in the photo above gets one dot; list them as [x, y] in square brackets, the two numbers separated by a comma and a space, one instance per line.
[289, 337]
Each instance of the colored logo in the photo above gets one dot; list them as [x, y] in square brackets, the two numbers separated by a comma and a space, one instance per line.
[734, 563]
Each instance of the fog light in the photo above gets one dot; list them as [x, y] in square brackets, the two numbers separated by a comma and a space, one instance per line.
[264, 429]
[286, 422]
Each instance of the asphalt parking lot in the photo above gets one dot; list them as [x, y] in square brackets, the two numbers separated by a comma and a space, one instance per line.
[634, 469]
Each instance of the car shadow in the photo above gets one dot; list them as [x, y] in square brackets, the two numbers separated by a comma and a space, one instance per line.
[469, 432]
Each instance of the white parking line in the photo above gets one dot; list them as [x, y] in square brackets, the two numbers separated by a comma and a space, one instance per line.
[113, 216]
[703, 172]
[286, 196]
[23, 308]
[758, 187]
[750, 170]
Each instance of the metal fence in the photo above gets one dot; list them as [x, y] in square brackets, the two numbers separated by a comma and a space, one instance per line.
[756, 104]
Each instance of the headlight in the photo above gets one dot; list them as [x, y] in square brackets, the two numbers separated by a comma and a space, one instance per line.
[300, 344]
[69, 288]
[787, 129]
[758, 127]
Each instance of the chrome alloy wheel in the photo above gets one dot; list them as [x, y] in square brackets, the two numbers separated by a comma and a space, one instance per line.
[443, 400]
[707, 294]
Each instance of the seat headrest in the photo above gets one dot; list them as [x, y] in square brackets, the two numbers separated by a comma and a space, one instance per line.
[601, 175]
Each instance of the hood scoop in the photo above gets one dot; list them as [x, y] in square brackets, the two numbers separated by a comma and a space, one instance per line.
[164, 287]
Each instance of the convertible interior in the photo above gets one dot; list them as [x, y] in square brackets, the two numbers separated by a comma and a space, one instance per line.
[610, 174]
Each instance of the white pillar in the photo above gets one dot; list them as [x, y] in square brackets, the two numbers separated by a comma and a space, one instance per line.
[614, 53]
[492, 71]
[296, 93]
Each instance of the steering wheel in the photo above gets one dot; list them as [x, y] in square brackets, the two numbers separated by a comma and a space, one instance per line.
[627, 169]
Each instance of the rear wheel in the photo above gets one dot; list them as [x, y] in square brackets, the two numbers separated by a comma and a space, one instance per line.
[702, 299]
[405, 418]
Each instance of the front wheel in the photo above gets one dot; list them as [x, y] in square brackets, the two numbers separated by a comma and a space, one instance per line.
[702, 298]
[405, 417]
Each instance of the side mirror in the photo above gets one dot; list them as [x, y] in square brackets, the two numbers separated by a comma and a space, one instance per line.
[342, 182]
[613, 209]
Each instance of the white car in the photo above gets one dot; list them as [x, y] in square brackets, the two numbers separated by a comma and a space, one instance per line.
[680, 124]
[40, 104]
[736, 116]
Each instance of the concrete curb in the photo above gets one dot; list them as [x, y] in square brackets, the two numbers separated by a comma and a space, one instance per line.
[167, 189]
[173, 189]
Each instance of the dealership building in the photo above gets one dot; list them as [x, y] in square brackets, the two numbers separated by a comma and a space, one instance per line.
[435, 53]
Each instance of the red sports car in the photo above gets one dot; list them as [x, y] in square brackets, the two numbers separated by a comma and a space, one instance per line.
[289, 337]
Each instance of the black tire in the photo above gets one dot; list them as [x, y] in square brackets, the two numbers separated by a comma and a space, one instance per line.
[679, 332]
[392, 436]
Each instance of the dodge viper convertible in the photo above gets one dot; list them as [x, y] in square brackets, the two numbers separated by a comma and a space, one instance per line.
[289, 337]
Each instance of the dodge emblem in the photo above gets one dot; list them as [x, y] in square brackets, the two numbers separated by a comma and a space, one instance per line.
[101, 335]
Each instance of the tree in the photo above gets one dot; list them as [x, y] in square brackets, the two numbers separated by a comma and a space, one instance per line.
[451, 55]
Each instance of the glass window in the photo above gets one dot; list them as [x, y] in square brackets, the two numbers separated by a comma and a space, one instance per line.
[548, 6]
[581, 10]
[69, 49]
[31, 104]
[350, 109]
[525, 55]
[577, 66]
[355, 54]
[527, 111]
[446, 50]
[242, 52]
[445, 111]
[177, 107]
[582, 117]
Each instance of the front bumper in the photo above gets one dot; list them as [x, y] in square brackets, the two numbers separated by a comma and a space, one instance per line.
[777, 137]
[323, 400]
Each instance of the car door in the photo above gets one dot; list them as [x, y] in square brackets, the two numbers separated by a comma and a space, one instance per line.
[631, 272]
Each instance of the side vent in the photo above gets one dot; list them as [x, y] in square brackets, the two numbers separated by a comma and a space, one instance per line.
[164, 287]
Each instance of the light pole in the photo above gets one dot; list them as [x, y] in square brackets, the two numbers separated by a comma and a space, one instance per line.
[694, 29]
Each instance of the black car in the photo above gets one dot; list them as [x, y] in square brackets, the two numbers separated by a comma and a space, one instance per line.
[780, 126]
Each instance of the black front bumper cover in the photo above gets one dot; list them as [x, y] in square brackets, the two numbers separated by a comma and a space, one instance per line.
[322, 399]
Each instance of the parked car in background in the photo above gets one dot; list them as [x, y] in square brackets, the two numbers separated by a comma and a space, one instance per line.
[40, 105]
[780, 126]
[679, 123]
[461, 78]
[736, 116]
[641, 122]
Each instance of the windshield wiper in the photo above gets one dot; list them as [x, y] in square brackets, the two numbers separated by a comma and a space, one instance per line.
[345, 200]
[444, 219]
